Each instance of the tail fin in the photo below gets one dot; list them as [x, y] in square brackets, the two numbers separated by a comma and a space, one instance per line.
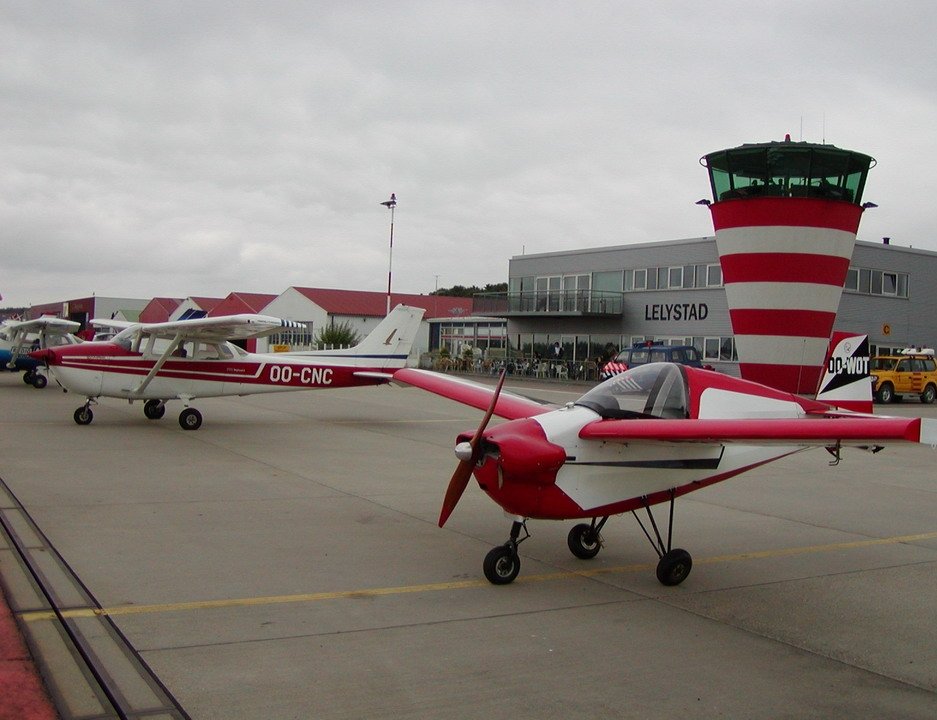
[386, 346]
[847, 382]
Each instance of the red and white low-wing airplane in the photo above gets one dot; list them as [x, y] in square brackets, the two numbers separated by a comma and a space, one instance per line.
[18, 338]
[188, 359]
[647, 436]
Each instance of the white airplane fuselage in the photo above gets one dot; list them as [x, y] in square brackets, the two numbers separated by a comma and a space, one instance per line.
[108, 370]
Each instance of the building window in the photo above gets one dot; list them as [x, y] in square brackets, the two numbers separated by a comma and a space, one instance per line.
[713, 275]
[688, 276]
[720, 349]
[678, 277]
[852, 280]
[640, 279]
[675, 277]
[867, 281]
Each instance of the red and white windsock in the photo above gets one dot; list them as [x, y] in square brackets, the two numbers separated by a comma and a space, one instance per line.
[786, 217]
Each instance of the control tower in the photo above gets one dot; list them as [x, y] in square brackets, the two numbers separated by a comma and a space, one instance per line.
[786, 216]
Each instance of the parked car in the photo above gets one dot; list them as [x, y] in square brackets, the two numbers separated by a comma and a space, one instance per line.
[909, 372]
[642, 353]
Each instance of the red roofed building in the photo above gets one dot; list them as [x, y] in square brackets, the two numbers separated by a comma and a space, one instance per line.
[241, 302]
[159, 309]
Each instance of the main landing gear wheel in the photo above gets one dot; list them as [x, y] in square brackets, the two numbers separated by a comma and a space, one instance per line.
[190, 419]
[584, 540]
[28, 377]
[154, 409]
[83, 415]
[502, 565]
[674, 566]
[39, 381]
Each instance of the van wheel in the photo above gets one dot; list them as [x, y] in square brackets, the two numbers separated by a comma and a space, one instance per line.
[886, 393]
[930, 392]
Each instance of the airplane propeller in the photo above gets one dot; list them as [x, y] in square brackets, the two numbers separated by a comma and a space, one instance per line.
[467, 452]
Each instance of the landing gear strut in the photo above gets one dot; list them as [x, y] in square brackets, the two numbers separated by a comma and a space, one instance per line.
[502, 564]
[675, 564]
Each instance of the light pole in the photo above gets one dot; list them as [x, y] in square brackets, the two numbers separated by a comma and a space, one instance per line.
[390, 204]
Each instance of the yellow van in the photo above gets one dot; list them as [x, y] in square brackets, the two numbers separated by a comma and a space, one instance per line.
[910, 372]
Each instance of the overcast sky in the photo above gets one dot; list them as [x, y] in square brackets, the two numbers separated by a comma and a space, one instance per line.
[200, 147]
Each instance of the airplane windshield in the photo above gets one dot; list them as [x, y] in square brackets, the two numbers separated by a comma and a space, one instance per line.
[125, 337]
[655, 390]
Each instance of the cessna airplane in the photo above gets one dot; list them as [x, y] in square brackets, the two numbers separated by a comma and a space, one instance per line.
[18, 338]
[186, 359]
[649, 435]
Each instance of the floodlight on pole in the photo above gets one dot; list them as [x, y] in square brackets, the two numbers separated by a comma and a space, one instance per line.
[390, 205]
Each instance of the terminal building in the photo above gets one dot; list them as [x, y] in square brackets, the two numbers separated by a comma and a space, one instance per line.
[759, 299]
[673, 292]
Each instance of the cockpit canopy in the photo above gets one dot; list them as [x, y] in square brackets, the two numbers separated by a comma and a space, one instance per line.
[655, 390]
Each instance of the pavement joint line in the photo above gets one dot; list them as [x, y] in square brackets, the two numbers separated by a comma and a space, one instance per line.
[42, 615]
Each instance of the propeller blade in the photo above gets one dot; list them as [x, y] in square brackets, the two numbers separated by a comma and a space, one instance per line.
[463, 472]
[458, 483]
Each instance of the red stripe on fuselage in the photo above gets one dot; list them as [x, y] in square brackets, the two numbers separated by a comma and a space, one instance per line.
[271, 374]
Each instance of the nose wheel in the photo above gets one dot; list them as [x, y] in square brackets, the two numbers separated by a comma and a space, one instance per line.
[83, 415]
[502, 564]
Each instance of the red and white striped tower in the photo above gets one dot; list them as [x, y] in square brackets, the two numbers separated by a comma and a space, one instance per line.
[786, 216]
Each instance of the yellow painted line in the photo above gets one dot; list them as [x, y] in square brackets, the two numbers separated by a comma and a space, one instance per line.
[455, 585]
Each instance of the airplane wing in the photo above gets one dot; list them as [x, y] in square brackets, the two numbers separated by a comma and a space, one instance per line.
[808, 431]
[52, 325]
[218, 329]
[476, 395]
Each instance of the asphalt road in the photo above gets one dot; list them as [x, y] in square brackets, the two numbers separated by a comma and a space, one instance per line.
[284, 562]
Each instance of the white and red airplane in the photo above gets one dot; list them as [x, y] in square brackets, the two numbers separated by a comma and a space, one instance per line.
[188, 359]
[649, 435]
[18, 338]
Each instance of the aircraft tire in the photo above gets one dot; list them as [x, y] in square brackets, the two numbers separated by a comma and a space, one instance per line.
[190, 419]
[28, 377]
[583, 542]
[40, 381]
[674, 567]
[502, 565]
[154, 409]
[83, 415]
